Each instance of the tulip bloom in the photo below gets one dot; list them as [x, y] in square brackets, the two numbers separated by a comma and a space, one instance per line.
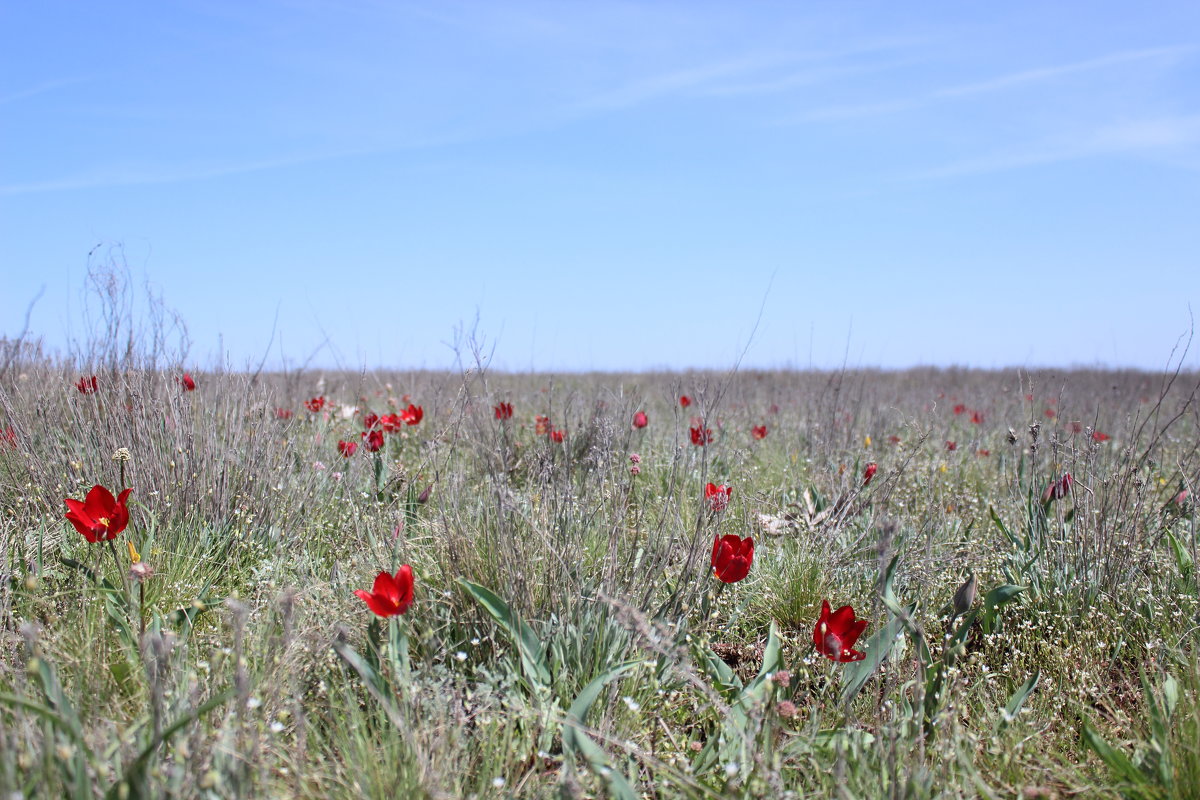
[640, 420]
[731, 557]
[315, 404]
[869, 472]
[759, 431]
[836, 633]
[977, 417]
[700, 436]
[952, 446]
[100, 516]
[390, 596]
[371, 420]
[684, 401]
[557, 436]
[374, 440]
[390, 423]
[1097, 436]
[9, 437]
[503, 410]
[1058, 489]
[542, 426]
[412, 415]
[347, 449]
[959, 409]
[86, 385]
[717, 496]
[187, 383]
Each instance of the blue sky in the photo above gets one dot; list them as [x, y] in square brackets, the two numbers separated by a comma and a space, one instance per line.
[612, 185]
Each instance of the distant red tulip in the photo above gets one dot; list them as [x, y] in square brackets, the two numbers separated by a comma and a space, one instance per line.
[1097, 436]
[9, 437]
[412, 415]
[959, 409]
[951, 445]
[732, 557]
[1029, 398]
[390, 596]
[347, 449]
[869, 472]
[86, 385]
[1058, 489]
[717, 496]
[370, 420]
[977, 417]
[1050, 413]
[684, 401]
[1075, 427]
[700, 436]
[374, 440]
[390, 423]
[558, 436]
[640, 420]
[894, 439]
[284, 413]
[503, 410]
[836, 634]
[100, 516]
[1181, 500]
[759, 431]
[187, 383]
[542, 426]
[983, 453]
[315, 404]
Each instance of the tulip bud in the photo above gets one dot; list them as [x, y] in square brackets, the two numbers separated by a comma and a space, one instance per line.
[964, 597]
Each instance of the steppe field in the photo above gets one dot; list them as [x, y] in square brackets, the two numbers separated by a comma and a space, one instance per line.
[489, 585]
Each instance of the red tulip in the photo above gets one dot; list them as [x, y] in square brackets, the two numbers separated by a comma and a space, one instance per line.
[977, 417]
[9, 437]
[188, 384]
[700, 436]
[371, 420]
[717, 496]
[99, 516]
[759, 431]
[412, 415]
[836, 633]
[983, 452]
[557, 436]
[951, 445]
[684, 401]
[347, 449]
[731, 557]
[390, 423]
[869, 472]
[503, 410]
[1097, 436]
[1058, 489]
[542, 426]
[640, 420]
[959, 409]
[390, 596]
[894, 439]
[86, 385]
[374, 440]
[284, 413]
[1050, 413]
[315, 404]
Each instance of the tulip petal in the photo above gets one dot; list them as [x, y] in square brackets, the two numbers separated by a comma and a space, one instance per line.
[377, 604]
[404, 585]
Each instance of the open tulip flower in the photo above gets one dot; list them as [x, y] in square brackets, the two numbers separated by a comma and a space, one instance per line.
[869, 472]
[100, 516]
[700, 435]
[390, 596]
[759, 431]
[86, 385]
[717, 496]
[503, 410]
[640, 420]
[412, 415]
[732, 557]
[837, 632]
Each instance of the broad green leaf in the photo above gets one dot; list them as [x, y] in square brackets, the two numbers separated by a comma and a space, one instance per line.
[577, 743]
[533, 654]
[1117, 761]
[1017, 701]
[880, 643]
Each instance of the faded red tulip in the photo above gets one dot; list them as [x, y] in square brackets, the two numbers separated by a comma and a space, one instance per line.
[315, 404]
[503, 410]
[700, 436]
[542, 426]
[1097, 436]
[284, 413]
[347, 449]
[390, 596]
[640, 420]
[1075, 427]
[869, 472]
[557, 436]
[373, 440]
[951, 445]
[983, 452]
[86, 385]
[684, 401]
[977, 417]
[187, 383]
[837, 632]
[1050, 413]
[100, 516]
[732, 557]
[412, 415]
[1058, 489]
[759, 431]
[717, 496]
[894, 439]
[9, 437]
[959, 409]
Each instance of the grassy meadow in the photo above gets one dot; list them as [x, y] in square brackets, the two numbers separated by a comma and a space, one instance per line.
[567, 636]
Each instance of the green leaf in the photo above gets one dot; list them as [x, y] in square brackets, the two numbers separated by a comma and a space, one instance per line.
[1017, 701]
[533, 654]
[577, 743]
[1117, 761]
[856, 674]
[1002, 594]
[725, 680]
[772, 661]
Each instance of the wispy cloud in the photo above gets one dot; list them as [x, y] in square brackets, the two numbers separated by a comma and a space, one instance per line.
[999, 83]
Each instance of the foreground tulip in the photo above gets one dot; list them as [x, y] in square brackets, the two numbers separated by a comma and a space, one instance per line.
[100, 516]
[717, 496]
[86, 385]
[503, 410]
[640, 420]
[836, 633]
[412, 415]
[869, 472]
[732, 557]
[759, 431]
[187, 383]
[390, 596]
[558, 436]
[373, 440]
